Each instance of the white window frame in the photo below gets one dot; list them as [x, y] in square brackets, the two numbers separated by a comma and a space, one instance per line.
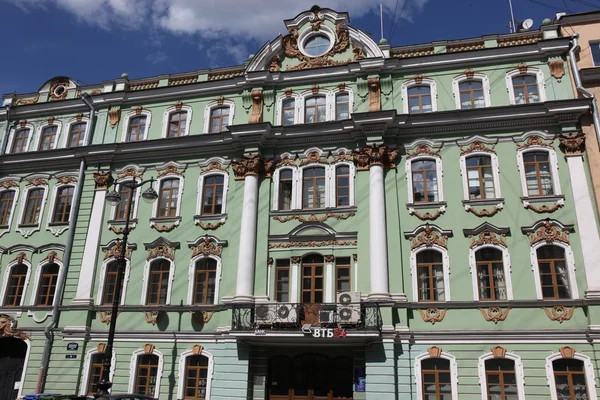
[103, 280]
[334, 94]
[172, 110]
[67, 131]
[13, 132]
[552, 158]
[205, 175]
[439, 172]
[485, 83]
[7, 273]
[507, 270]
[133, 370]
[181, 378]
[495, 173]
[424, 82]
[12, 209]
[328, 103]
[295, 173]
[518, 374]
[192, 270]
[214, 104]
[300, 183]
[41, 128]
[531, 71]
[333, 183]
[87, 362]
[57, 230]
[146, 279]
[570, 260]
[279, 113]
[590, 380]
[28, 230]
[158, 185]
[453, 373]
[415, 278]
[132, 114]
[36, 281]
[307, 34]
[136, 197]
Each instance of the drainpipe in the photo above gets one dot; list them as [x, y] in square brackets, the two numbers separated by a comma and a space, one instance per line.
[48, 331]
[580, 88]
[6, 128]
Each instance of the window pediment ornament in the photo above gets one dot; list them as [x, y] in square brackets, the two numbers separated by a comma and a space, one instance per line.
[171, 169]
[548, 231]
[129, 172]
[487, 237]
[375, 155]
[206, 246]
[37, 182]
[214, 166]
[477, 146]
[66, 179]
[114, 248]
[428, 235]
[423, 150]
[52, 256]
[534, 141]
[8, 184]
[572, 145]
[313, 158]
[498, 351]
[567, 352]
[161, 247]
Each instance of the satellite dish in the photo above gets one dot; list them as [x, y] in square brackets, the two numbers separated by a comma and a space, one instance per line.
[526, 25]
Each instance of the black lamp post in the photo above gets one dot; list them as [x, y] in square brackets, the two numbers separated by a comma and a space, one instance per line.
[114, 198]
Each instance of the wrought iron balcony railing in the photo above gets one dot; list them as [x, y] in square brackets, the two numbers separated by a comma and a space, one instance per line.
[293, 316]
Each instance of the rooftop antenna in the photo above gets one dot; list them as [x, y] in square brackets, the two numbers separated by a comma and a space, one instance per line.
[512, 18]
[381, 18]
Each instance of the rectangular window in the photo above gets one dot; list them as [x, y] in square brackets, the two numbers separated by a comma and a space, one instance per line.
[205, 279]
[96, 368]
[342, 274]
[20, 141]
[196, 378]
[424, 181]
[419, 99]
[342, 186]
[177, 124]
[480, 177]
[121, 208]
[471, 94]
[77, 134]
[62, 205]
[554, 274]
[47, 139]
[342, 106]
[435, 374]
[595, 49]
[288, 112]
[47, 285]
[219, 119]
[158, 282]
[313, 189]
[110, 283]
[537, 173]
[146, 374]
[16, 285]
[501, 379]
[7, 199]
[569, 378]
[286, 183]
[490, 274]
[312, 279]
[315, 110]
[525, 89]
[282, 280]
[167, 201]
[33, 206]
[430, 274]
[136, 128]
[212, 195]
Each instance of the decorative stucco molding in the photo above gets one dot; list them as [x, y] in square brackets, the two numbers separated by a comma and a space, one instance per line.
[6, 328]
[559, 313]
[494, 314]
[375, 155]
[207, 245]
[102, 179]
[314, 218]
[433, 315]
[572, 145]
[428, 235]
[247, 165]
[548, 231]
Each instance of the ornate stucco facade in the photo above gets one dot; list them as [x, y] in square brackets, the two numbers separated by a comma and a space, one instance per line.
[336, 219]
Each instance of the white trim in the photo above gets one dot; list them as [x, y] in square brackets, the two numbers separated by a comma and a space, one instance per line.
[485, 83]
[552, 158]
[40, 129]
[518, 374]
[191, 277]
[214, 104]
[132, 114]
[445, 266]
[294, 281]
[308, 33]
[87, 361]
[300, 183]
[453, 374]
[7, 272]
[167, 115]
[329, 281]
[11, 137]
[279, 112]
[307, 94]
[28, 230]
[57, 230]
[412, 82]
[333, 183]
[570, 260]
[146, 278]
[179, 196]
[295, 183]
[531, 71]
[67, 131]
[36, 281]
[590, 380]
[439, 173]
[133, 370]
[505, 263]
[495, 172]
[200, 192]
[334, 94]
[103, 279]
[181, 377]
[12, 209]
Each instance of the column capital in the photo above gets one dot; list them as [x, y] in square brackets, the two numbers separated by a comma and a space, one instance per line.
[375, 154]
[249, 165]
[102, 179]
[572, 145]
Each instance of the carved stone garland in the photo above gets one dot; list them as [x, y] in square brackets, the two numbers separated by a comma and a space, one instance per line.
[559, 313]
[210, 226]
[214, 166]
[161, 251]
[427, 216]
[130, 172]
[153, 317]
[494, 314]
[314, 218]
[548, 233]
[534, 141]
[423, 150]
[115, 251]
[487, 237]
[477, 146]
[324, 243]
[544, 207]
[164, 228]
[207, 247]
[433, 315]
[8, 184]
[484, 212]
[171, 170]
[428, 237]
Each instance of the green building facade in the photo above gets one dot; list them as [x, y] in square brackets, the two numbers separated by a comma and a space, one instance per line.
[336, 219]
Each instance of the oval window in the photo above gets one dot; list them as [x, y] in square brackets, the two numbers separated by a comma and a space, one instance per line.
[316, 45]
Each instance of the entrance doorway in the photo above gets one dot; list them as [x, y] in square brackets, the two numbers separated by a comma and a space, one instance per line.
[310, 377]
[12, 361]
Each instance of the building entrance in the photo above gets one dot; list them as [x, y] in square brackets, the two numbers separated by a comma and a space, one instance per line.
[310, 377]
[12, 360]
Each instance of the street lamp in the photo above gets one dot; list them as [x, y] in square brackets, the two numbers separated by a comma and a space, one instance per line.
[114, 198]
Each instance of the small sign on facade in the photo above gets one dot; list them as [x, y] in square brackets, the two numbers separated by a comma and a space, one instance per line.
[324, 332]
[72, 346]
[71, 356]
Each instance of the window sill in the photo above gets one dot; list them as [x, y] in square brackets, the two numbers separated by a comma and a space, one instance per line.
[122, 221]
[309, 211]
[58, 224]
[176, 220]
[544, 199]
[210, 217]
[483, 202]
[426, 205]
[29, 225]
[2, 227]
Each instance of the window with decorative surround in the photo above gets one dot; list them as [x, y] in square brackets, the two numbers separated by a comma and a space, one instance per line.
[48, 135]
[32, 209]
[92, 370]
[419, 95]
[501, 375]
[46, 284]
[167, 207]
[570, 376]
[8, 201]
[525, 85]
[471, 90]
[177, 120]
[146, 372]
[424, 177]
[108, 284]
[315, 105]
[76, 133]
[16, 277]
[436, 375]
[158, 282]
[63, 202]
[195, 372]
[136, 125]
[218, 115]
[19, 138]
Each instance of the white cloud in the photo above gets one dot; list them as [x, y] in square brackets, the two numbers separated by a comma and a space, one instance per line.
[156, 57]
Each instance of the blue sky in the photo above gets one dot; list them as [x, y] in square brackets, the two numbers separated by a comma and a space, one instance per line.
[97, 40]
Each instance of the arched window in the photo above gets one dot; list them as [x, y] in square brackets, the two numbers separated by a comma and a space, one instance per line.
[146, 375]
[315, 109]
[33, 207]
[471, 94]
[219, 119]
[62, 205]
[47, 285]
[419, 99]
[342, 106]
[313, 187]
[436, 381]
[525, 89]
[110, 283]
[491, 280]
[77, 134]
[286, 183]
[121, 208]
[313, 279]
[342, 186]
[538, 173]
[7, 199]
[20, 141]
[430, 276]
[554, 272]
[288, 111]
[136, 128]
[158, 282]
[48, 137]
[95, 374]
[570, 379]
[168, 198]
[205, 278]
[177, 124]
[212, 194]
[480, 177]
[196, 378]
[424, 181]
[501, 379]
[16, 285]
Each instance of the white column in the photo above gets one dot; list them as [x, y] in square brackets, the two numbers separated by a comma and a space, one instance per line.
[378, 235]
[586, 222]
[295, 267]
[247, 251]
[85, 285]
[329, 280]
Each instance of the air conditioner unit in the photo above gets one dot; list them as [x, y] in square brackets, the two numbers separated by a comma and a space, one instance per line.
[286, 314]
[264, 314]
[348, 307]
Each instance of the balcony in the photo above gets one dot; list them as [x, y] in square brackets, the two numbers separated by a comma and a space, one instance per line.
[295, 316]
